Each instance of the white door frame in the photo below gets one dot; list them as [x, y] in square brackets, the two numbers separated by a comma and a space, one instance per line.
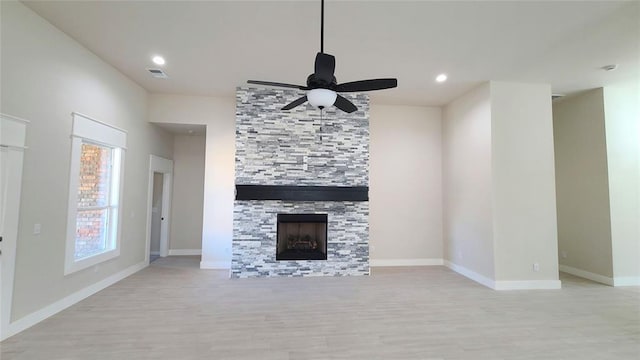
[163, 166]
[12, 141]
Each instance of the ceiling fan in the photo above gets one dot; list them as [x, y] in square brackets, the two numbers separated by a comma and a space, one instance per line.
[322, 87]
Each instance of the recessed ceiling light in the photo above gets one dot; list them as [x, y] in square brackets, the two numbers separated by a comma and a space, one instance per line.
[159, 60]
[441, 78]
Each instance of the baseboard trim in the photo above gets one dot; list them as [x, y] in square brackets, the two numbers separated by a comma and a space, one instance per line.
[527, 285]
[215, 265]
[587, 275]
[54, 308]
[405, 262]
[185, 252]
[626, 281]
[502, 284]
[481, 279]
[154, 253]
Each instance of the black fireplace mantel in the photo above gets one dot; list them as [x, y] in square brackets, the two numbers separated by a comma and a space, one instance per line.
[302, 193]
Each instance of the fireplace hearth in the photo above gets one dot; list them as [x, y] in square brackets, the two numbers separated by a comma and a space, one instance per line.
[302, 237]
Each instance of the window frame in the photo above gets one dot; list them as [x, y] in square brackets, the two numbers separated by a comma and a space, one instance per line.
[90, 131]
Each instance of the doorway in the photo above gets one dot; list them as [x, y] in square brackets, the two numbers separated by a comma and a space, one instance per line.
[156, 216]
[158, 207]
[12, 140]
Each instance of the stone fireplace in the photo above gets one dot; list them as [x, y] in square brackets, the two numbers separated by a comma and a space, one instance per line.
[301, 206]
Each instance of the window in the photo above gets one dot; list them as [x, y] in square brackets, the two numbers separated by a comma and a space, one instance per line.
[97, 152]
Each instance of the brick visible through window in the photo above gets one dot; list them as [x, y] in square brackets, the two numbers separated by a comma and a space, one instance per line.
[92, 220]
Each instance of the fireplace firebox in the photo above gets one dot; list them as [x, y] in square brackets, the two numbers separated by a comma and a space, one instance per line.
[302, 237]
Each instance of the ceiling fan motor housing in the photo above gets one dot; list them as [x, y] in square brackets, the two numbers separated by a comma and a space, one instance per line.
[316, 82]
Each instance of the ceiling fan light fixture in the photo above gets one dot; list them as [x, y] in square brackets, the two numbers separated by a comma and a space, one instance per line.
[321, 98]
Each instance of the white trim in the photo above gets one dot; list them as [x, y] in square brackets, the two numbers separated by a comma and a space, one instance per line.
[77, 265]
[13, 147]
[215, 265]
[626, 281]
[98, 142]
[95, 130]
[470, 274]
[405, 262]
[527, 285]
[98, 121]
[15, 118]
[13, 134]
[71, 265]
[85, 128]
[587, 275]
[160, 165]
[185, 252]
[504, 284]
[54, 308]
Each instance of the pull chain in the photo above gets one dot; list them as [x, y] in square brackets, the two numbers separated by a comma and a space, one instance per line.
[321, 124]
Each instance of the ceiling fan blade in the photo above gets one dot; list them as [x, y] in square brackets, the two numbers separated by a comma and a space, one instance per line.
[270, 83]
[367, 85]
[344, 105]
[325, 66]
[295, 103]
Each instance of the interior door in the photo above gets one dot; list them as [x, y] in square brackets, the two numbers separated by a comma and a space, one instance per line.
[12, 139]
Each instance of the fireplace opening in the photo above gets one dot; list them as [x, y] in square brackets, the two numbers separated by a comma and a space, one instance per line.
[302, 237]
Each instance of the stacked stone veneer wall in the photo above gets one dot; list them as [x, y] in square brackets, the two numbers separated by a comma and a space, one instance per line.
[297, 147]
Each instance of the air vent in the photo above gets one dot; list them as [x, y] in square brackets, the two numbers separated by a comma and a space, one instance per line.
[158, 73]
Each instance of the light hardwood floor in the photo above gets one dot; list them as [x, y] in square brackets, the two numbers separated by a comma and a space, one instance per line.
[173, 310]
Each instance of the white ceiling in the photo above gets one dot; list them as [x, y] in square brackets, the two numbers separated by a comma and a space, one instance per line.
[211, 47]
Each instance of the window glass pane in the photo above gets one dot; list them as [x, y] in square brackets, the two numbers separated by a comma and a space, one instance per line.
[91, 232]
[95, 177]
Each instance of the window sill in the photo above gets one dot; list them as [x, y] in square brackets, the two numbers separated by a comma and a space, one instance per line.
[72, 266]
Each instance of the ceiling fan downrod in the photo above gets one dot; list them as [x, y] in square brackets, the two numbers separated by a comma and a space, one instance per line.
[322, 26]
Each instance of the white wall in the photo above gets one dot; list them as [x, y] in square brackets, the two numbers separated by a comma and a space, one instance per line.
[498, 186]
[188, 192]
[387, 196]
[523, 182]
[406, 185]
[218, 114]
[467, 201]
[582, 186]
[45, 76]
[622, 127]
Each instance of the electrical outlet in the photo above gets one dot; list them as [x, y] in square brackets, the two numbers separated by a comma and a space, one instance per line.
[37, 228]
[563, 254]
[536, 267]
